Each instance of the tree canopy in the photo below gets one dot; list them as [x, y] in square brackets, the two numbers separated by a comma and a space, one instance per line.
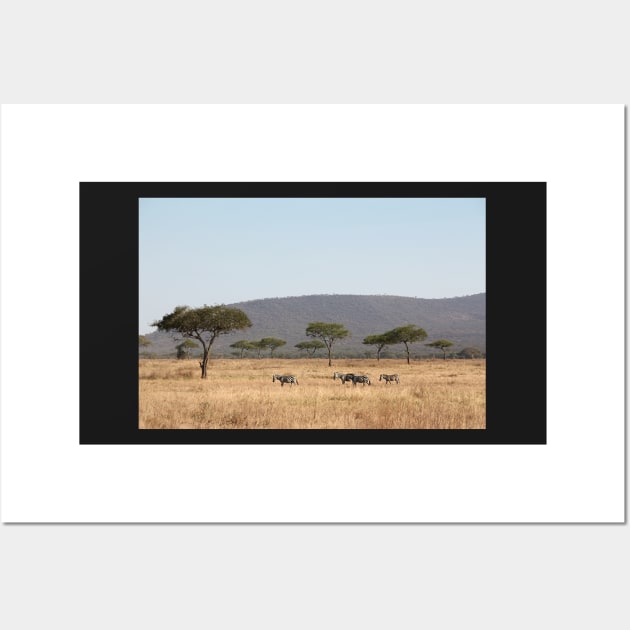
[204, 324]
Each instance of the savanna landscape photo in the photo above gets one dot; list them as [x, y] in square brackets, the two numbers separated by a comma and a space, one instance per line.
[247, 322]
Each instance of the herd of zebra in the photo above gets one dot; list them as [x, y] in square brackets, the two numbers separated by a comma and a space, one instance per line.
[344, 378]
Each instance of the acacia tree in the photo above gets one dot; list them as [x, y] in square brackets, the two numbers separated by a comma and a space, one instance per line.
[259, 346]
[311, 347]
[380, 341]
[183, 349]
[442, 344]
[470, 352]
[328, 333]
[406, 335]
[204, 324]
[272, 343]
[242, 346]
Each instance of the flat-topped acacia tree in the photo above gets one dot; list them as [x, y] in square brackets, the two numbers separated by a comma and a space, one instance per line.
[380, 341]
[272, 343]
[204, 324]
[242, 345]
[328, 333]
[406, 335]
[442, 344]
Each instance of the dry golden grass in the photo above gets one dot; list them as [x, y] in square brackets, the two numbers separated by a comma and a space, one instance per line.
[239, 394]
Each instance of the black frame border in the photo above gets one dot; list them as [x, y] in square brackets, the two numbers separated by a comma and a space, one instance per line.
[516, 303]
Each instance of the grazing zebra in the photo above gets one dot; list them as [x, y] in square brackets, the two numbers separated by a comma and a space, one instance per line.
[388, 378]
[342, 377]
[287, 378]
[360, 379]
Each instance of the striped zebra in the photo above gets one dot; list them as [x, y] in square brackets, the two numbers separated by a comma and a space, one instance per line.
[342, 377]
[286, 378]
[360, 379]
[388, 378]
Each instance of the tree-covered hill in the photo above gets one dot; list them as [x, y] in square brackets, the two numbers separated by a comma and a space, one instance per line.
[461, 320]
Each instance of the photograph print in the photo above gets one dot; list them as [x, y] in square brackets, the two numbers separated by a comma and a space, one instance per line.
[314, 312]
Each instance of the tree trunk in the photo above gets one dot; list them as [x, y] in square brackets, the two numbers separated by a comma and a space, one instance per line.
[206, 357]
[407, 348]
[204, 365]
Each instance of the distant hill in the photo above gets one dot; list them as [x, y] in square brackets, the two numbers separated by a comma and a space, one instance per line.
[461, 320]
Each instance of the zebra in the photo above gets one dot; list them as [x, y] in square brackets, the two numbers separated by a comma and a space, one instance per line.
[388, 378]
[342, 377]
[287, 378]
[360, 379]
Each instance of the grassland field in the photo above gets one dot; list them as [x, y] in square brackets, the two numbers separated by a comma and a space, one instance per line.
[240, 394]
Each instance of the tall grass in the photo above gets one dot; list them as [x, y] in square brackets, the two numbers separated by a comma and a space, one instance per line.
[239, 394]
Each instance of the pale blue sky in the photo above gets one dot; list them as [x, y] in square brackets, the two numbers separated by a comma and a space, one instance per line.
[219, 251]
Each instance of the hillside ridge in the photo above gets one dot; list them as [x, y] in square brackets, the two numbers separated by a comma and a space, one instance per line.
[461, 320]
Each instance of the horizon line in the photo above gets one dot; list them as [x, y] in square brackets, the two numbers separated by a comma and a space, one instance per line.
[411, 297]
